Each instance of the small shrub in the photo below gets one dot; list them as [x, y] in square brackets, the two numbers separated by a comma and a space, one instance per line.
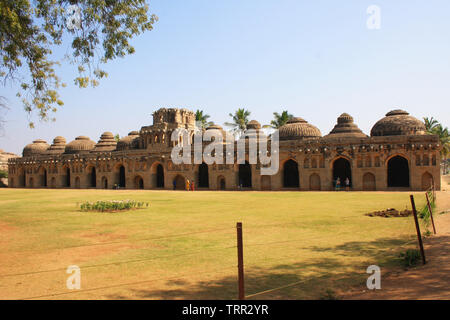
[329, 295]
[3, 174]
[112, 205]
[410, 257]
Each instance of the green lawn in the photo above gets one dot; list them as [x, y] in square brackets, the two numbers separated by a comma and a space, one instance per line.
[183, 244]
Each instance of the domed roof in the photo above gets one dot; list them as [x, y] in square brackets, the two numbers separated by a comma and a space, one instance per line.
[253, 124]
[216, 127]
[398, 122]
[128, 142]
[298, 128]
[58, 145]
[345, 128]
[106, 142]
[81, 143]
[38, 146]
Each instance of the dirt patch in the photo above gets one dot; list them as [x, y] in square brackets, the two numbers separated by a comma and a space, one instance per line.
[389, 213]
[429, 281]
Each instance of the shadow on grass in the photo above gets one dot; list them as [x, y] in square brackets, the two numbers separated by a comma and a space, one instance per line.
[299, 280]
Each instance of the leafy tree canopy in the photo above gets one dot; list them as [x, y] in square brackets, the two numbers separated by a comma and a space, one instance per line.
[99, 31]
[202, 119]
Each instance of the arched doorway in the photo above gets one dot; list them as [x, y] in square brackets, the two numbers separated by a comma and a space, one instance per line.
[342, 170]
[369, 182]
[138, 182]
[290, 174]
[203, 176]
[159, 176]
[180, 183]
[104, 183]
[77, 182]
[427, 181]
[67, 178]
[221, 183]
[314, 182]
[122, 180]
[93, 178]
[43, 178]
[245, 175]
[266, 183]
[398, 172]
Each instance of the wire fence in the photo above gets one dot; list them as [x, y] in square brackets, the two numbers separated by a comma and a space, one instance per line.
[265, 250]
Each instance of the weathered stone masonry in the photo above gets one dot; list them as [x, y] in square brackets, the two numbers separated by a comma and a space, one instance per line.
[398, 155]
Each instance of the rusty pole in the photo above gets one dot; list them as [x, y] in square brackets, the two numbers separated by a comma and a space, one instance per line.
[240, 261]
[431, 212]
[419, 235]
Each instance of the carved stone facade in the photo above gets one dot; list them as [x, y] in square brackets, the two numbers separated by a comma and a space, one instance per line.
[398, 155]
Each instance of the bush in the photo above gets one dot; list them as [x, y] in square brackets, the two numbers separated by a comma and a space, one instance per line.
[3, 174]
[410, 257]
[112, 205]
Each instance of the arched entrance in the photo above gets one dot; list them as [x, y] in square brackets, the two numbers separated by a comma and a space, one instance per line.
[92, 178]
[67, 178]
[159, 176]
[398, 172]
[104, 183]
[342, 170]
[266, 183]
[290, 174]
[77, 182]
[43, 178]
[138, 182]
[221, 183]
[203, 176]
[245, 175]
[180, 183]
[427, 181]
[314, 182]
[53, 182]
[369, 182]
[122, 179]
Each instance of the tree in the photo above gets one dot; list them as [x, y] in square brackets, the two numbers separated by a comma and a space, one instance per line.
[240, 120]
[430, 123]
[202, 119]
[444, 141]
[117, 137]
[279, 119]
[99, 31]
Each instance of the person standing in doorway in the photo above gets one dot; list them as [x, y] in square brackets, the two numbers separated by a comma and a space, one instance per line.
[338, 184]
[187, 185]
[347, 184]
[174, 184]
[192, 185]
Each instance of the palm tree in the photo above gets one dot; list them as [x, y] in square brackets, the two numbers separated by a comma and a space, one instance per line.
[202, 119]
[280, 120]
[240, 120]
[430, 124]
[444, 140]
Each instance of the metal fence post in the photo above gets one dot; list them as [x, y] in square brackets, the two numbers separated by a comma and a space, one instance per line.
[240, 261]
[419, 235]
[431, 212]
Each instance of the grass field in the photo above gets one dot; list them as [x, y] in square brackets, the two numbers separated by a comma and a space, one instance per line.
[183, 245]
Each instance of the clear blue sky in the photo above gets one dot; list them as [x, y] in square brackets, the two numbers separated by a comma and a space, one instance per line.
[317, 59]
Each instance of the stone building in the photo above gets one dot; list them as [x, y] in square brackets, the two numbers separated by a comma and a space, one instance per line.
[398, 155]
[4, 156]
